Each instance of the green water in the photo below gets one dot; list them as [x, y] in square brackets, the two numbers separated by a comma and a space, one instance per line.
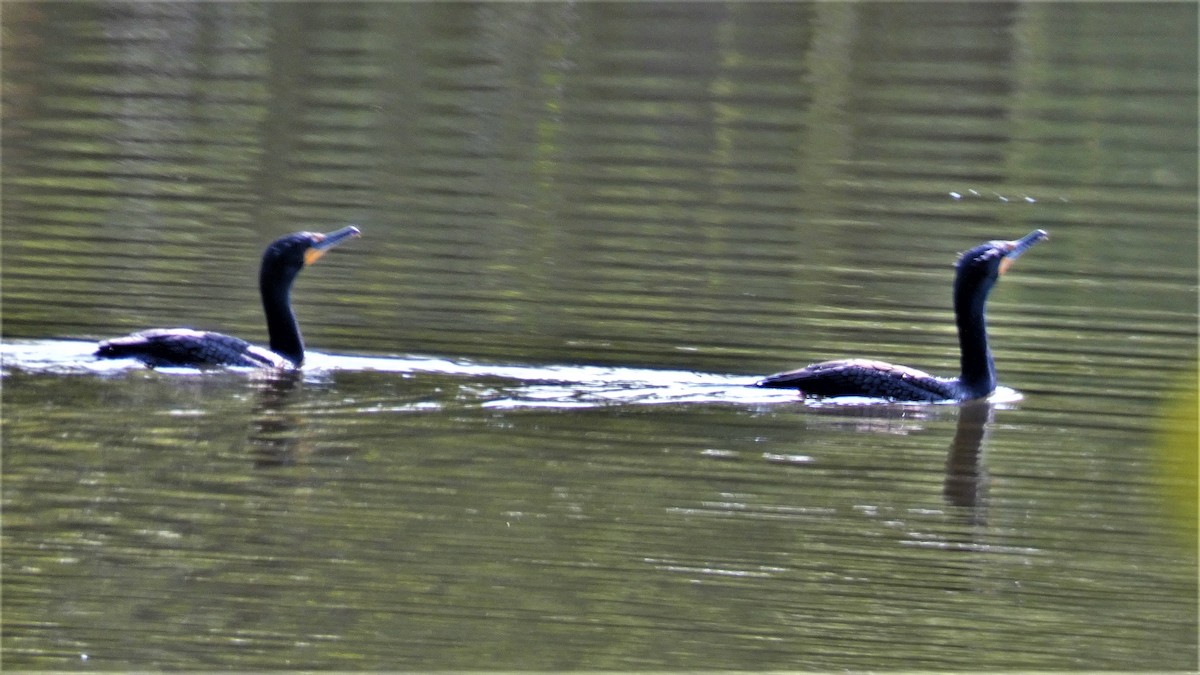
[522, 443]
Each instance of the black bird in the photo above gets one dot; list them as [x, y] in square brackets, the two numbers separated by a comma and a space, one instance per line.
[281, 262]
[977, 271]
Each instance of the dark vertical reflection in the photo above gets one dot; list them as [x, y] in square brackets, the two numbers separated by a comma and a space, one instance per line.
[275, 435]
[966, 476]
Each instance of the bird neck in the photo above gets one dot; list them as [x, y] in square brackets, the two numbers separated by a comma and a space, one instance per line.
[978, 376]
[281, 321]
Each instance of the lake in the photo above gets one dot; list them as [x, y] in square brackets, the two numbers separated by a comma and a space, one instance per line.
[523, 438]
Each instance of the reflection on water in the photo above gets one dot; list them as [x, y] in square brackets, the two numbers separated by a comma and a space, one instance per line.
[966, 476]
[276, 437]
[524, 440]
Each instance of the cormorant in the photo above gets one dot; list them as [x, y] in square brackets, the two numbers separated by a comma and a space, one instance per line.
[977, 271]
[281, 262]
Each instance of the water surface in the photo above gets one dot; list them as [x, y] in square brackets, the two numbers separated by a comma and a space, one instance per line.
[523, 438]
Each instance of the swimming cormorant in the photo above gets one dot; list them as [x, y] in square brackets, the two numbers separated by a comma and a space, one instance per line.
[977, 271]
[281, 262]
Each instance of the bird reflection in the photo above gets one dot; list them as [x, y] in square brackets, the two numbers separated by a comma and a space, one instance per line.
[274, 437]
[966, 476]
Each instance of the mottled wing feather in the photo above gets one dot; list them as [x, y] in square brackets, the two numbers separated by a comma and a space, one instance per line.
[863, 377]
[185, 347]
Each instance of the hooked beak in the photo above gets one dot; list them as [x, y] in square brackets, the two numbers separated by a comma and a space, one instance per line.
[327, 241]
[1018, 247]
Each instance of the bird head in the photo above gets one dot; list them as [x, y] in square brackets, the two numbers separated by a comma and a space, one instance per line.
[287, 255]
[986, 262]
